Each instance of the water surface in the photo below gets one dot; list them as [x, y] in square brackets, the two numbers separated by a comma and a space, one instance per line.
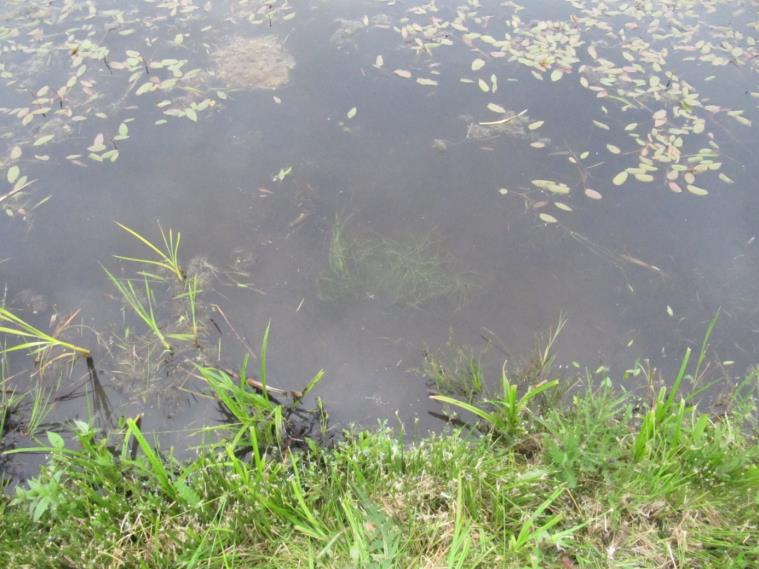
[613, 181]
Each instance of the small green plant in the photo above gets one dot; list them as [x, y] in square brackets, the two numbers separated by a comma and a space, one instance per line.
[39, 343]
[143, 309]
[168, 256]
[192, 289]
[258, 418]
[504, 415]
[459, 375]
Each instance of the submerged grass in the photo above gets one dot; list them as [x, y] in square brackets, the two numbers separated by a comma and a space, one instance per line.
[409, 271]
[578, 484]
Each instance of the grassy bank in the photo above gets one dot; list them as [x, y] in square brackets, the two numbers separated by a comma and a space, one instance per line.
[595, 478]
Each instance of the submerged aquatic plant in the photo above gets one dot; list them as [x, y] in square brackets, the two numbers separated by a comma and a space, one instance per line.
[168, 256]
[409, 271]
[143, 309]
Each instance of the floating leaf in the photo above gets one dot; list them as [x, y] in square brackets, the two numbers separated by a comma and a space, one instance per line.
[675, 187]
[620, 178]
[613, 149]
[535, 125]
[496, 108]
[670, 312]
[379, 61]
[503, 191]
[547, 218]
[426, 82]
[551, 186]
[556, 74]
[599, 124]
[484, 87]
[190, 113]
[16, 153]
[43, 140]
[743, 120]
[696, 191]
[351, 113]
[593, 194]
[562, 206]
[13, 174]
[725, 178]
[478, 64]
[538, 144]
[402, 73]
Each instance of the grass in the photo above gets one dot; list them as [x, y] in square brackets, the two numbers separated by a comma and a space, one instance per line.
[141, 305]
[581, 483]
[167, 257]
[39, 343]
[410, 271]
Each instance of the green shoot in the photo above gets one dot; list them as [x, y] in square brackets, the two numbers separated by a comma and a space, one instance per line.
[33, 338]
[168, 257]
[143, 310]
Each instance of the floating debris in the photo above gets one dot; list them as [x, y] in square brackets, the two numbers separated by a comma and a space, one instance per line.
[253, 63]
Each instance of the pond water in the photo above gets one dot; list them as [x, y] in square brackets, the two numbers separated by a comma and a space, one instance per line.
[376, 178]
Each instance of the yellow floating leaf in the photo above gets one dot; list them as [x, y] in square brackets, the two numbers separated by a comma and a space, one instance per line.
[402, 73]
[13, 174]
[16, 153]
[478, 64]
[379, 61]
[725, 178]
[43, 140]
[484, 87]
[743, 120]
[547, 218]
[556, 74]
[535, 125]
[426, 82]
[696, 191]
[593, 194]
[562, 206]
[351, 113]
[620, 178]
[496, 108]
[613, 149]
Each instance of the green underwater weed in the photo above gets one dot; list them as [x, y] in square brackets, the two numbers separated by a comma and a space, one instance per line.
[410, 271]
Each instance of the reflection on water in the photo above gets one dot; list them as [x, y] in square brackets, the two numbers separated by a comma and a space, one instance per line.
[585, 158]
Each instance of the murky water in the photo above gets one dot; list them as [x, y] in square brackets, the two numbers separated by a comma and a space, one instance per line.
[591, 159]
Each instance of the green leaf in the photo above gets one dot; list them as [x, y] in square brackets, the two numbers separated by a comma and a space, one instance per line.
[620, 178]
[43, 140]
[56, 440]
[13, 174]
